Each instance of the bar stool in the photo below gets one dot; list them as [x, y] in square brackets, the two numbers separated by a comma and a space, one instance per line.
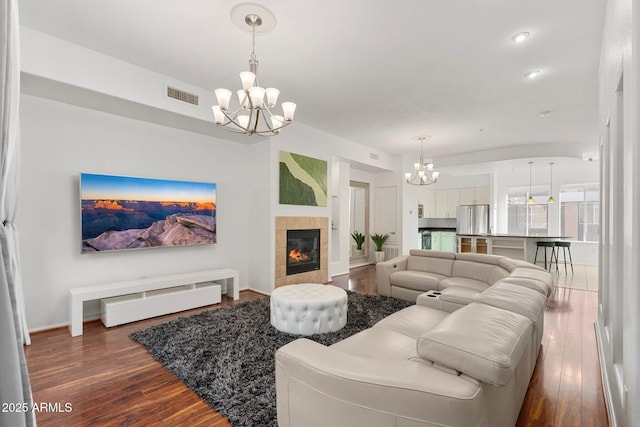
[566, 246]
[546, 245]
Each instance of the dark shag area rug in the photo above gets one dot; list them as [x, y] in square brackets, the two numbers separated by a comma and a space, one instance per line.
[227, 355]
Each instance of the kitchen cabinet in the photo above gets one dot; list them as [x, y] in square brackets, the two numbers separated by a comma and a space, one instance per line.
[444, 203]
[474, 244]
[474, 196]
[441, 204]
[512, 246]
[453, 200]
[444, 241]
[467, 196]
[447, 202]
[482, 196]
[427, 198]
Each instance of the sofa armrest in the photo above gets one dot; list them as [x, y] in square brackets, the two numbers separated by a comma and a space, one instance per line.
[384, 270]
[318, 386]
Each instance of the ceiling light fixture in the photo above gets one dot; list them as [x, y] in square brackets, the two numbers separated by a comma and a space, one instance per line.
[533, 74]
[530, 198]
[551, 199]
[520, 37]
[253, 116]
[424, 173]
[545, 113]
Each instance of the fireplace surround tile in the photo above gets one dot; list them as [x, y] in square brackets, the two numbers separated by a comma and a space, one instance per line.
[284, 223]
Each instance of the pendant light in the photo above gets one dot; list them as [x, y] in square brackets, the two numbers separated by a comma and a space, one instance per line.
[551, 199]
[530, 199]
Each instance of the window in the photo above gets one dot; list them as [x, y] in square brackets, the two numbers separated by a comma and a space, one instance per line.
[528, 218]
[579, 212]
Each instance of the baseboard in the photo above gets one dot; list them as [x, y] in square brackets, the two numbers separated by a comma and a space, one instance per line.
[96, 316]
[49, 328]
[256, 291]
[339, 274]
[604, 376]
[88, 318]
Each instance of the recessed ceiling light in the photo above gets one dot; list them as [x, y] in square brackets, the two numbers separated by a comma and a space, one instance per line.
[544, 113]
[532, 74]
[520, 37]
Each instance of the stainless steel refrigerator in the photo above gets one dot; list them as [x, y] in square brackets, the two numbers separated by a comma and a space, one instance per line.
[473, 219]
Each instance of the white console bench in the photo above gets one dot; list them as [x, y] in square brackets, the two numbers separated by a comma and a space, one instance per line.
[158, 288]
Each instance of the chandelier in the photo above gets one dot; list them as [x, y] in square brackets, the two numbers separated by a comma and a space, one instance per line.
[424, 173]
[253, 116]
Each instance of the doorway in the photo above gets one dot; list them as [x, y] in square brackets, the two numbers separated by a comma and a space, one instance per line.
[358, 220]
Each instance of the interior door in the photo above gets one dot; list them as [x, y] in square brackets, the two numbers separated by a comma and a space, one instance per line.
[386, 213]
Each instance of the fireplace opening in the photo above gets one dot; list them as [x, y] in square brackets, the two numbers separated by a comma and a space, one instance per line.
[303, 251]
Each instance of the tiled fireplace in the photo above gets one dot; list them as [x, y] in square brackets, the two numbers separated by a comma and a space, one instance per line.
[301, 250]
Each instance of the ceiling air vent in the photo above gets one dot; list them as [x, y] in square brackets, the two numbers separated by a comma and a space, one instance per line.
[181, 95]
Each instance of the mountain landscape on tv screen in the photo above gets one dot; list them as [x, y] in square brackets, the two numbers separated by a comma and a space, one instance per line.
[129, 224]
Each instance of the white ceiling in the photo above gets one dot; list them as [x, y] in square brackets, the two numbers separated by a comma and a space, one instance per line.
[378, 73]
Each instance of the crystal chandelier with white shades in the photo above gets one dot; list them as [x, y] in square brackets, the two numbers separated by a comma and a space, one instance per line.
[254, 115]
[424, 173]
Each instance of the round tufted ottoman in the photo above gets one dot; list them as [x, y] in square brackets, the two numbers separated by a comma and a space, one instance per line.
[308, 308]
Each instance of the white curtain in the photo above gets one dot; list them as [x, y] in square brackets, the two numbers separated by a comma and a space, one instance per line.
[14, 381]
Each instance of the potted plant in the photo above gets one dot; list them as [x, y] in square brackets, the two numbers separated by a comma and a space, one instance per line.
[359, 239]
[378, 240]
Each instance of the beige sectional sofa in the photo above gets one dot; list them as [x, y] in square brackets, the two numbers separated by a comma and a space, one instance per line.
[425, 366]
[458, 277]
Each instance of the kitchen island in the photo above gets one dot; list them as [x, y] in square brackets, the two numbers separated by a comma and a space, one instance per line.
[511, 245]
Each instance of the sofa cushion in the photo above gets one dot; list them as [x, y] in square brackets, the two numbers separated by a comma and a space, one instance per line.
[536, 285]
[511, 264]
[437, 262]
[459, 295]
[379, 343]
[482, 341]
[412, 321]
[487, 272]
[481, 258]
[517, 299]
[534, 274]
[464, 282]
[417, 280]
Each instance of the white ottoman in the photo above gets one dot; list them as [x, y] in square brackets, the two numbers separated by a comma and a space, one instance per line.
[308, 308]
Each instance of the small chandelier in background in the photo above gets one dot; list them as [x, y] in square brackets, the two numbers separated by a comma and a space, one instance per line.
[424, 173]
[551, 199]
[253, 115]
[530, 199]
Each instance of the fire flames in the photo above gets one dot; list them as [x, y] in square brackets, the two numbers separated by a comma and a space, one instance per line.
[296, 256]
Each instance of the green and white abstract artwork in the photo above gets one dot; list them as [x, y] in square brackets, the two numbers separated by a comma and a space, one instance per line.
[303, 180]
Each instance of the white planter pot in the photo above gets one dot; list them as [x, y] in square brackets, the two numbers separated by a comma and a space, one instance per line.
[358, 252]
[379, 256]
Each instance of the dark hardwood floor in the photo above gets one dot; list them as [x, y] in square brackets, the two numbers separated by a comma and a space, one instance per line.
[110, 380]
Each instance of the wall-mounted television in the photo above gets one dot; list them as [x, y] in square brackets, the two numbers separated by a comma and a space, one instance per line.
[120, 213]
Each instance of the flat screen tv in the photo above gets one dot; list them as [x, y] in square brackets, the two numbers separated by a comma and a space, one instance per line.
[120, 213]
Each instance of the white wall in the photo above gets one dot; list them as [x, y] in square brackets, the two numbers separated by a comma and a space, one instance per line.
[618, 325]
[61, 140]
[260, 220]
[58, 142]
[338, 152]
[340, 230]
